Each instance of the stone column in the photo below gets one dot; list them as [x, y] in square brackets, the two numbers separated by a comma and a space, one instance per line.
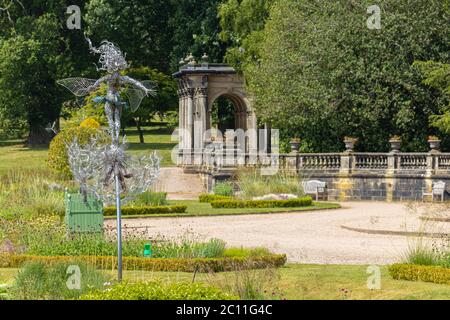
[200, 123]
[252, 128]
[181, 119]
[189, 118]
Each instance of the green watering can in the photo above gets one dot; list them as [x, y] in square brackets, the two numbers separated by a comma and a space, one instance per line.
[147, 250]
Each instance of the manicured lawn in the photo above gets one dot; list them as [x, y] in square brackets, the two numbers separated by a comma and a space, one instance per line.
[14, 155]
[195, 208]
[17, 156]
[297, 281]
[156, 138]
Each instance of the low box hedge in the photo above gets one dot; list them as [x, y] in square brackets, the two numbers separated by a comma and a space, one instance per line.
[414, 272]
[155, 290]
[207, 198]
[145, 210]
[156, 264]
[299, 202]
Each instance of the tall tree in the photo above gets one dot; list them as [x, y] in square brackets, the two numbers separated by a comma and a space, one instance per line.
[139, 28]
[323, 74]
[36, 49]
[196, 29]
[242, 23]
[28, 92]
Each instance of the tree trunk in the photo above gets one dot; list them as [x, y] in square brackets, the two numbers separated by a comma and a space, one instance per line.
[138, 126]
[38, 136]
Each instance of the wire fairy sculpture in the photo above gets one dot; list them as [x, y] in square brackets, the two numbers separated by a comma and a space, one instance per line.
[96, 167]
[106, 171]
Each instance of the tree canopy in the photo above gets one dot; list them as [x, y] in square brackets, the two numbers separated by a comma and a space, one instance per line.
[313, 68]
[322, 74]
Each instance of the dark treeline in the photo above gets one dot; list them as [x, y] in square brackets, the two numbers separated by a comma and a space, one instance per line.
[313, 68]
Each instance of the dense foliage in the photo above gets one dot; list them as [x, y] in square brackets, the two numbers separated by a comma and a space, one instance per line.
[319, 73]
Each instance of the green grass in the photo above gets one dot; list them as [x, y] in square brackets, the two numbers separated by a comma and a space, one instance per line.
[195, 208]
[14, 155]
[297, 281]
[156, 138]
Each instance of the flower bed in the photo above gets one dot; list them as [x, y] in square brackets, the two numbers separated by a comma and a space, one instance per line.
[156, 264]
[414, 272]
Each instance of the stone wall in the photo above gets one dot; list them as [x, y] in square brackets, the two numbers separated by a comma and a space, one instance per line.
[375, 177]
[378, 187]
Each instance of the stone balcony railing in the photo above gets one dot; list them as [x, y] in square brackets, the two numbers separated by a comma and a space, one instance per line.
[346, 163]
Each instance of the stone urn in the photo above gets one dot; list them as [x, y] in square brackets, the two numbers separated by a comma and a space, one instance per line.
[395, 145]
[295, 145]
[435, 145]
[349, 144]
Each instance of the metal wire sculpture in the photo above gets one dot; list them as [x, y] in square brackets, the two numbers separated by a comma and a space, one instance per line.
[110, 161]
[108, 172]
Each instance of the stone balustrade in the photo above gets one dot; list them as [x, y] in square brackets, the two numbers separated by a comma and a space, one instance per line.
[327, 162]
[349, 176]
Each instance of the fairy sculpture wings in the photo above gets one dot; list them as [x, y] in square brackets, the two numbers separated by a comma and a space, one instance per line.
[135, 95]
[81, 87]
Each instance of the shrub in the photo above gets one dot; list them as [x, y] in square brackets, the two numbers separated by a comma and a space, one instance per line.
[414, 272]
[90, 123]
[57, 152]
[145, 210]
[299, 202]
[223, 189]
[158, 291]
[212, 197]
[38, 280]
[155, 264]
[246, 252]
[151, 198]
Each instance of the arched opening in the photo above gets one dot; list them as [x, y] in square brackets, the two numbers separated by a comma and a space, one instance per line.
[223, 114]
[228, 112]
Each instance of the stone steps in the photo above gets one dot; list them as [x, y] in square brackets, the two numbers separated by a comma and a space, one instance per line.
[178, 184]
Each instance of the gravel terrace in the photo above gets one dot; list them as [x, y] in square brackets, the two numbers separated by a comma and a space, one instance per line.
[306, 237]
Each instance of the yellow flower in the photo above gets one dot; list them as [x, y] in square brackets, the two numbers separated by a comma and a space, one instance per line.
[90, 123]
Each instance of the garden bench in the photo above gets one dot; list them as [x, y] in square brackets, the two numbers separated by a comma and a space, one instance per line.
[438, 189]
[314, 187]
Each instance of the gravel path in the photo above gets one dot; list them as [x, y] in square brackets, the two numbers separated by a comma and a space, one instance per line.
[306, 237]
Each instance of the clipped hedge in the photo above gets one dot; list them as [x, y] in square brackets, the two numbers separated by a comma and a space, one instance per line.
[414, 272]
[156, 264]
[155, 290]
[207, 198]
[145, 210]
[299, 202]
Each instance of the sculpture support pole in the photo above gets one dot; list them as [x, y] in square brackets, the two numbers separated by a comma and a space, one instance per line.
[119, 229]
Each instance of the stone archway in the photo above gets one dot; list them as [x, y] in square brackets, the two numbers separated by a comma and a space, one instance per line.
[200, 84]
